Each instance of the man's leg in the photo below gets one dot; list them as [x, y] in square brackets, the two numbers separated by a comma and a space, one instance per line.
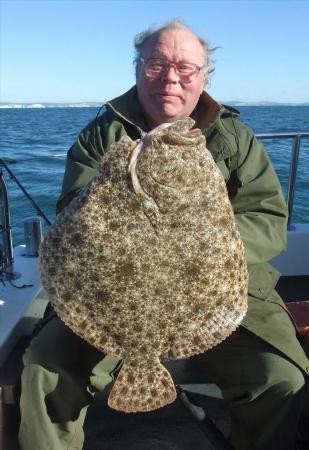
[55, 394]
[265, 391]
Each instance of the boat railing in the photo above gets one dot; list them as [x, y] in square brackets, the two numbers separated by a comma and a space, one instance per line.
[6, 247]
[296, 140]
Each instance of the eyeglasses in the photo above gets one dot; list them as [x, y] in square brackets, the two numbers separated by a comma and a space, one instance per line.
[187, 72]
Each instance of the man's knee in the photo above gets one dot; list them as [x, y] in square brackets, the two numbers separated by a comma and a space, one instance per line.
[56, 347]
[286, 378]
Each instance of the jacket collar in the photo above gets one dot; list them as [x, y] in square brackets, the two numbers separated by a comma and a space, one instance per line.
[128, 108]
[206, 114]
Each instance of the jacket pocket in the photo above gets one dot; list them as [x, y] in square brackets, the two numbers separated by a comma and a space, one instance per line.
[262, 280]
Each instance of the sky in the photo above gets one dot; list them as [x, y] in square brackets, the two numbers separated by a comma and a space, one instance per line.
[82, 50]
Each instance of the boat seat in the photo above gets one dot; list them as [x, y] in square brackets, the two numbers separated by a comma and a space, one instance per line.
[10, 378]
[300, 313]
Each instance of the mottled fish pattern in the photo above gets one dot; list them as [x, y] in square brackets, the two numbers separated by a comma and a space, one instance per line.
[146, 263]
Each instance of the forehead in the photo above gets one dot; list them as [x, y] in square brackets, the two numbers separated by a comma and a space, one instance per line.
[175, 45]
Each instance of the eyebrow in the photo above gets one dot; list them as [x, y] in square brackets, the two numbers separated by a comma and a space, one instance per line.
[160, 56]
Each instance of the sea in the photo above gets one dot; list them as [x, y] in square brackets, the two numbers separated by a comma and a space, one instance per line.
[35, 140]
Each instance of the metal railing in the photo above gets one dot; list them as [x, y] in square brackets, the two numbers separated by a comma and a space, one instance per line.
[6, 253]
[296, 138]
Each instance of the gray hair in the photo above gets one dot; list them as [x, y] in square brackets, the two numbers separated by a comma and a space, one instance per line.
[141, 39]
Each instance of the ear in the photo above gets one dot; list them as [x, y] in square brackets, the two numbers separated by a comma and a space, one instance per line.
[205, 83]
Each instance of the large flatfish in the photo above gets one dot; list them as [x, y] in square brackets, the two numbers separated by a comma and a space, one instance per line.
[146, 262]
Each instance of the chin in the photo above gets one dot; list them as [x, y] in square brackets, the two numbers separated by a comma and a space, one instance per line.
[171, 116]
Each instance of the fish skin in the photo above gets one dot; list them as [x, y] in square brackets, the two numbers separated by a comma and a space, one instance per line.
[154, 275]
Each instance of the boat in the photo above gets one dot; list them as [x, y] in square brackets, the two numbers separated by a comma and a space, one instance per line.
[182, 425]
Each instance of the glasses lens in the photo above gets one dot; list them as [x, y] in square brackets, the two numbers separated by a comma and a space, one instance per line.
[154, 67]
[185, 71]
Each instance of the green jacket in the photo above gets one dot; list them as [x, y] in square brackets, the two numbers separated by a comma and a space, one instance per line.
[253, 186]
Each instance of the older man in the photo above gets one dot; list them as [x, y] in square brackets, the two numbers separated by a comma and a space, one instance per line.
[261, 368]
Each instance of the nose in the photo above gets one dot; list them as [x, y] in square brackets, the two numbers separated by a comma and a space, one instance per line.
[170, 74]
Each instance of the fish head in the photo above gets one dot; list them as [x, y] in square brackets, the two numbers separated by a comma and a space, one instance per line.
[173, 156]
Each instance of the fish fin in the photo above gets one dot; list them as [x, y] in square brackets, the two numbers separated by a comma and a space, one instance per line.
[212, 333]
[141, 389]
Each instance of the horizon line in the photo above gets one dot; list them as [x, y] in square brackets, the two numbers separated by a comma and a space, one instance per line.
[96, 103]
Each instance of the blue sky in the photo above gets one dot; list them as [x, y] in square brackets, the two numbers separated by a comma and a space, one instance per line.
[79, 50]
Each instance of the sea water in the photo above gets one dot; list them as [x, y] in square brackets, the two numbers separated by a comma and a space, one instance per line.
[34, 143]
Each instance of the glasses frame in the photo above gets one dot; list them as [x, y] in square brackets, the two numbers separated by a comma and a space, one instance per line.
[167, 66]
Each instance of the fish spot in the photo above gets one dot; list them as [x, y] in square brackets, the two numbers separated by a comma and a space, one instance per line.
[67, 296]
[134, 205]
[123, 390]
[83, 324]
[213, 293]
[162, 325]
[135, 403]
[113, 225]
[229, 264]
[224, 221]
[56, 242]
[197, 308]
[52, 271]
[159, 291]
[94, 277]
[105, 199]
[78, 284]
[164, 382]
[118, 338]
[192, 270]
[155, 345]
[154, 392]
[77, 239]
[174, 225]
[134, 363]
[125, 270]
[130, 378]
[132, 307]
[103, 296]
[150, 378]
[170, 307]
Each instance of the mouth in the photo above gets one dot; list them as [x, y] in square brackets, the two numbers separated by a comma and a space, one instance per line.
[167, 96]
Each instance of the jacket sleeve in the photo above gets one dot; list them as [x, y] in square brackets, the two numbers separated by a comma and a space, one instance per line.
[84, 156]
[259, 205]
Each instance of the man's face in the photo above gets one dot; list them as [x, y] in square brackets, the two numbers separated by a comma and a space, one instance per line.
[166, 98]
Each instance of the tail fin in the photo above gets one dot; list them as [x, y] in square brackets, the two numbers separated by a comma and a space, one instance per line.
[142, 389]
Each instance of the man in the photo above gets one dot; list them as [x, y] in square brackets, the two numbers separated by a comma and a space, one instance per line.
[261, 368]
